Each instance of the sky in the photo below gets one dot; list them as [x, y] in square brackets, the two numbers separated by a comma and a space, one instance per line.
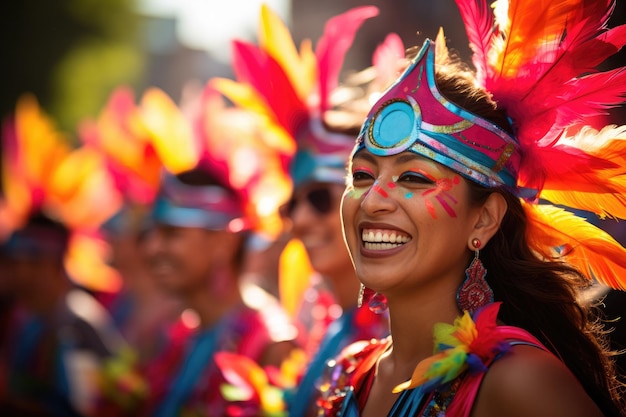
[211, 24]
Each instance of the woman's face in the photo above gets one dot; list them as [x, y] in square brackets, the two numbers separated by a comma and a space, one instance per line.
[407, 222]
[314, 215]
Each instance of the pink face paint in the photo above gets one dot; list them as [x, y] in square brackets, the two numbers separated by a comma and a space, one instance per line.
[441, 195]
[376, 187]
[446, 207]
[362, 169]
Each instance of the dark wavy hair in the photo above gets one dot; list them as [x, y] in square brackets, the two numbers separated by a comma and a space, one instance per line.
[539, 295]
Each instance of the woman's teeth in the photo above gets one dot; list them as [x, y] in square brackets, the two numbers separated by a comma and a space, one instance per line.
[376, 239]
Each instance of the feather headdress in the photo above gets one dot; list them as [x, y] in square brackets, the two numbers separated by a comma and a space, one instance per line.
[538, 61]
[296, 93]
[294, 90]
[148, 143]
[44, 175]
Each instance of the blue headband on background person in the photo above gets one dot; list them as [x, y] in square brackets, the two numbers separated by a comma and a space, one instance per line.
[210, 207]
[321, 155]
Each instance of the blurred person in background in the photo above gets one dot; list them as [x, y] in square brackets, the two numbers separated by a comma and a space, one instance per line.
[299, 93]
[140, 309]
[195, 245]
[195, 248]
[59, 337]
[126, 135]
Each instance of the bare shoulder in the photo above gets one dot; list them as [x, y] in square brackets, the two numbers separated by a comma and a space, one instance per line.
[531, 382]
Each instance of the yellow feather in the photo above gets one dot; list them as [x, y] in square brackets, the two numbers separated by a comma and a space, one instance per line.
[295, 273]
[41, 146]
[243, 95]
[441, 49]
[170, 131]
[607, 205]
[557, 233]
[275, 39]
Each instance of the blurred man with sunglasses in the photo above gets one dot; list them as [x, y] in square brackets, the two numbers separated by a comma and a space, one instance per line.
[313, 216]
[300, 93]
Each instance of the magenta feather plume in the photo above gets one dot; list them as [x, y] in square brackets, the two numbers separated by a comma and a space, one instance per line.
[339, 33]
[257, 68]
[479, 23]
[390, 51]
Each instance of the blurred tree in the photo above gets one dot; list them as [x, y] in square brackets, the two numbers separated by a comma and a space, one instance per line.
[69, 53]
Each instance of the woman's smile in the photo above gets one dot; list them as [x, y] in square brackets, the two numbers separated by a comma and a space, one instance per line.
[383, 239]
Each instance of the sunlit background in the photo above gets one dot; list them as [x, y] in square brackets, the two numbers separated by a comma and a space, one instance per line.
[72, 53]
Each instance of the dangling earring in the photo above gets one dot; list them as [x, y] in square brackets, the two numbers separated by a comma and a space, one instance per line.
[359, 301]
[376, 302]
[474, 292]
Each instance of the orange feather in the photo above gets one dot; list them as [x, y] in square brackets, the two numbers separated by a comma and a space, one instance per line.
[559, 234]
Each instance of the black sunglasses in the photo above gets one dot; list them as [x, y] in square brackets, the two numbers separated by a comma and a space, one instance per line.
[320, 199]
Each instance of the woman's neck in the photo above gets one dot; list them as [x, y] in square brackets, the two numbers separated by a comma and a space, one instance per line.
[412, 320]
[345, 286]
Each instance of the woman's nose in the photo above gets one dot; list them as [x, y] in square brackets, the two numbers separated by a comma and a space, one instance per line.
[378, 199]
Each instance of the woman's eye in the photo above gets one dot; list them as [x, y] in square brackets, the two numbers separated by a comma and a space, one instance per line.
[416, 178]
[362, 176]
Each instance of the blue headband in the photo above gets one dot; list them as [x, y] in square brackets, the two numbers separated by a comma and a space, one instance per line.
[210, 207]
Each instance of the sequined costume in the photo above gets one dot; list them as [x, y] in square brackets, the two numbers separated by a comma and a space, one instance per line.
[445, 384]
[354, 325]
[184, 380]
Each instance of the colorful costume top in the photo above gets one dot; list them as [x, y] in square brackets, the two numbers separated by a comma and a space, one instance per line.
[354, 325]
[184, 380]
[444, 384]
[54, 361]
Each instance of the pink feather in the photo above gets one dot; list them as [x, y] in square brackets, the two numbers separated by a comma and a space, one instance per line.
[331, 49]
[388, 52]
[257, 68]
[479, 27]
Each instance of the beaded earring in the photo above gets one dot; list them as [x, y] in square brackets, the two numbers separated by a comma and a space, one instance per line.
[474, 292]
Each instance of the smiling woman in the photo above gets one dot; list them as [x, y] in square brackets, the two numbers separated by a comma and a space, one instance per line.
[440, 216]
